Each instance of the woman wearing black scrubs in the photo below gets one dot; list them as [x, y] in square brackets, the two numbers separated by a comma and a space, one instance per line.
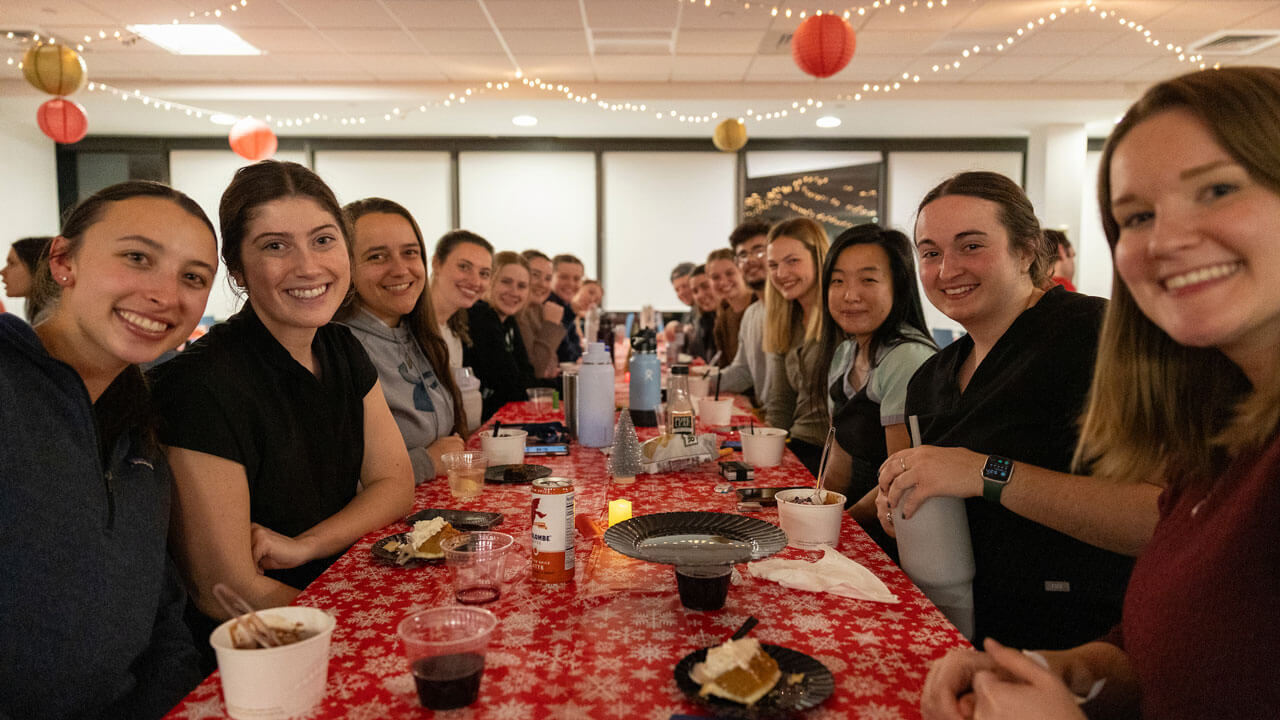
[873, 340]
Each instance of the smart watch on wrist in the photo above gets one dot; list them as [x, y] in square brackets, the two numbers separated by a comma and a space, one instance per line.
[995, 476]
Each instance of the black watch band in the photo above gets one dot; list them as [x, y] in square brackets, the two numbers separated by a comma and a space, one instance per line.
[995, 476]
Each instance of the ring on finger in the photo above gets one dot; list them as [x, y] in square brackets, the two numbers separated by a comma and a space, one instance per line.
[902, 462]
[889, 517]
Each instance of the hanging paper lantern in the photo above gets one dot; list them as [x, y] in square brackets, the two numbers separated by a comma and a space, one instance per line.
[63, 120]
[730, 135]
[55, 69]
[823, 45]
[252, 139]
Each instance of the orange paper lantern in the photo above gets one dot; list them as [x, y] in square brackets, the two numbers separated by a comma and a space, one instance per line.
[730, 135]
[62, 120]
[823, 45]
[252, 139]
[55, 69]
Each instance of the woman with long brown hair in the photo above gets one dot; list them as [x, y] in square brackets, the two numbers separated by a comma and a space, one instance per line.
[393, 319]
[1186, 389]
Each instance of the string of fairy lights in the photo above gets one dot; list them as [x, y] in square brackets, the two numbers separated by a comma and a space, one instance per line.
[867, 90]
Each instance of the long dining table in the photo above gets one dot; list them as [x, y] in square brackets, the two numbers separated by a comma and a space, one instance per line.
[605, 644]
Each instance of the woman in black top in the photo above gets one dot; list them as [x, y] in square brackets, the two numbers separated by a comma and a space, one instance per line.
[873, 339]
[1013, 389]
[283, 450]
[495, 349]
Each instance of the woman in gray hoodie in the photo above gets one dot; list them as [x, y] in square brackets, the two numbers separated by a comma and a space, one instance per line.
[392, 317]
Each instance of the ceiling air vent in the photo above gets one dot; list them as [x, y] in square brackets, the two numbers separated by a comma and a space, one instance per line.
[1235, 42]
[632, 42]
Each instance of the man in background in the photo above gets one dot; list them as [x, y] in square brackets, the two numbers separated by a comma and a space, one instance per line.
[748, 371]
[1064, 268]
[566, 279]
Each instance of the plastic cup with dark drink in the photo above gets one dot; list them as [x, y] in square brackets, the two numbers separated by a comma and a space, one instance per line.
[703, 587]
[446, 647]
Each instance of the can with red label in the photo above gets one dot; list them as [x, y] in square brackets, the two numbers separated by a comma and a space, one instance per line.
[552, 520]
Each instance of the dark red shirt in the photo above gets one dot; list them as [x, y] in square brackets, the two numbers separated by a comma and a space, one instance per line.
[1202, 613]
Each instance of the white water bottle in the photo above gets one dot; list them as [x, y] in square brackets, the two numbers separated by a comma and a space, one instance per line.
[937, 554]
[472, 402]
[936, 551]
[595, 398]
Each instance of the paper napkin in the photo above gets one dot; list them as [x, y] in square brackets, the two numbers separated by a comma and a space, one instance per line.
[834, 573]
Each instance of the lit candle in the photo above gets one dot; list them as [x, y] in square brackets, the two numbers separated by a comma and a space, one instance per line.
[619, 510]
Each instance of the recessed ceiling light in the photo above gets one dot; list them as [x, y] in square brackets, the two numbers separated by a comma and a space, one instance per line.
[196, 39]
[223, 119]
[524, 120]
[827, 121]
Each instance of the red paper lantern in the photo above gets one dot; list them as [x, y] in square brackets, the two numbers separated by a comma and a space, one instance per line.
[252, 139]
[62, 120]
[823, 45]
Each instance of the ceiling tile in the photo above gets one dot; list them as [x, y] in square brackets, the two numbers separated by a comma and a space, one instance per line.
[512, 16]
[474, 67]
[612, 14]
[721, 42]
[342, 14]
[461, 42]
[546, 42]
[285, 40]
[710, 68]
[438, 14]
[725, 17]
[372, 41]
[633, 68]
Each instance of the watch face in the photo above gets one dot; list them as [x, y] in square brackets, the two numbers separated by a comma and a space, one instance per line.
[997, 469]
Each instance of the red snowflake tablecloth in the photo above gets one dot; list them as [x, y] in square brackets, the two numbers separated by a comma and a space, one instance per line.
[604, 646]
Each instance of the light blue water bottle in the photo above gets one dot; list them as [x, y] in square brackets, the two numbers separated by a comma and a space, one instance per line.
[595, 397]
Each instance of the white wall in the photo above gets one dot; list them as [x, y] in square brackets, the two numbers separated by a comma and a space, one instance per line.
[204, 174]
[1093, 256]
[417, 180]
[28, 187]
[662, 209]
[912, 174]
[523, 200]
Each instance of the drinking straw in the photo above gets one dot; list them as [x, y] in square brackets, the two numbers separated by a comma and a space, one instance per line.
[496, 426]
[717, 386]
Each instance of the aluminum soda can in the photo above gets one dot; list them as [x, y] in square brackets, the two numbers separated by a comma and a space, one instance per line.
[552, 521]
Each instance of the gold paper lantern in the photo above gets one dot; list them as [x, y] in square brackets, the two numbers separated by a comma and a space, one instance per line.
[55, 69]
[730, 135]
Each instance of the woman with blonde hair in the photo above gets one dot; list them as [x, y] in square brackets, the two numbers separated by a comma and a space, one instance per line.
[394, 320]
[793, 316]
[1186, 389]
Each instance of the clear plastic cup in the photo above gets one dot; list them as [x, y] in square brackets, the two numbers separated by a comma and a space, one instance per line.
[541, 398]
[762, 446]
[507, 448]
[446, 648]
[715, 413]
[278, 682]
[477, 563]
[807, 526]
[466, 473]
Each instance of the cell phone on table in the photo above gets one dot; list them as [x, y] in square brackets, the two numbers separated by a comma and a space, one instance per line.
[762, 495]
[733, 444]
[547, 449]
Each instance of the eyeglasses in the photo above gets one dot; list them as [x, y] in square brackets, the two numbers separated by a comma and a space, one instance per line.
[745, 255]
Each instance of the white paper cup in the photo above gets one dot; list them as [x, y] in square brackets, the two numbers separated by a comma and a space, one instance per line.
[808, 526]
[715, 413]
[762, 447]
[505, 449]
[279, 682]
[699, 386]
